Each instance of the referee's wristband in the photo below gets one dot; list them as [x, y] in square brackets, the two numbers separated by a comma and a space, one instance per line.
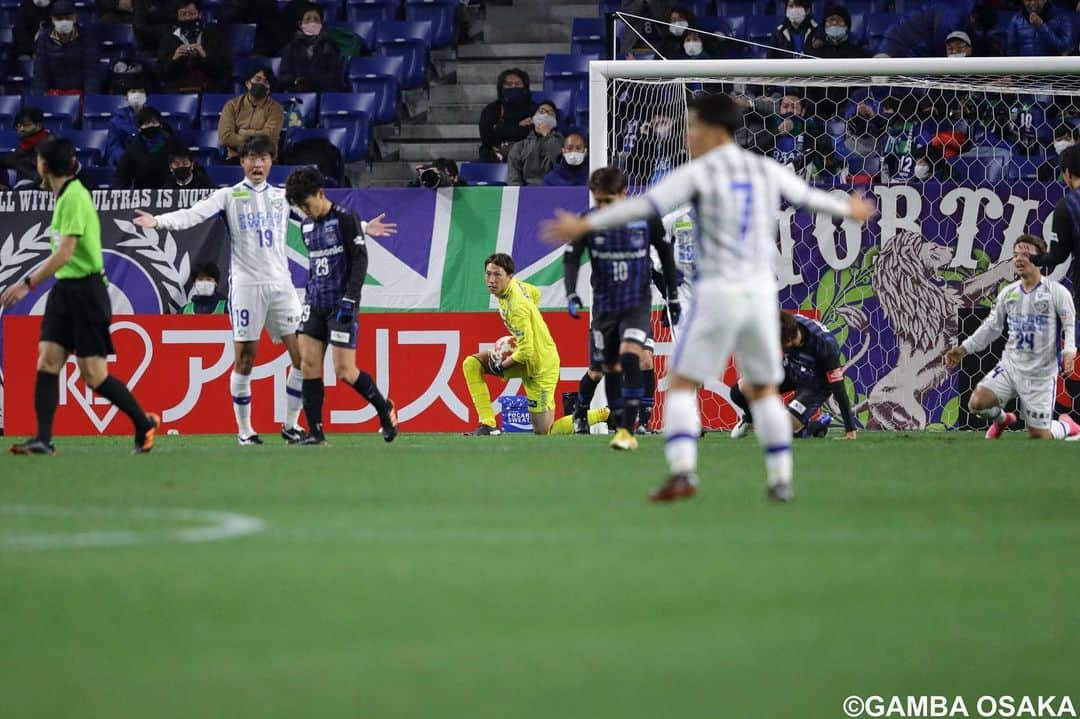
[29, 284]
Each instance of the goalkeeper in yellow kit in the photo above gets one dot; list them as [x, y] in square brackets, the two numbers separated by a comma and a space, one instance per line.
[535, 361]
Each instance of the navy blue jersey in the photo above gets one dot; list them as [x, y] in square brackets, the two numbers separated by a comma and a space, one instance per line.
[816, 362]
[621, 264]
[337, 257]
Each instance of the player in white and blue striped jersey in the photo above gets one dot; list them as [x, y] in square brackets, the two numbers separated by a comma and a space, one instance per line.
[1041, 318]
[736, 197]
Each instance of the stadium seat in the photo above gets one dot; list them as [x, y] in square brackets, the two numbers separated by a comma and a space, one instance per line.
[379, 75]
[115, 40]
[211, 106]
[332, 10]
[225, 175]
[97, 178]
[84, 12]
[393, 31]
[89, 145]
[308, 105]
[760, 28]
[9, 140]
[877, 24]
[442, 14]
[241, 39]
[565, 72]
[203, 144]
[336, 136]
[729, 26]
[179, 111]
[363, 29]
[906, 7]
[700, 8]
[61, 111]
[98, 110]
[587, 36]
[378, 10]
[280, 173]
[858, 27]
[9, 108]
[414, 56]
[483, 173]
[353, 111]
[727, 8]
[981, 165]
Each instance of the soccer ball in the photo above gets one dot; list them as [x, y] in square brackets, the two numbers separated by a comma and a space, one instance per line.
[504, 347]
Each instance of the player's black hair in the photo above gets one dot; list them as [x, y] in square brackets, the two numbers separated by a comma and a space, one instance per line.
[789, 328]
[607, 180]
[207, 269]
[303, 183]
[501, 259]
[258, 145]
[147, 114]
[58, 154]
[1070, 160]
[1034, 240]
[718, 110]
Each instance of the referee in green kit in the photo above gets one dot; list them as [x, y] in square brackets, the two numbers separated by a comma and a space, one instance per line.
[78, 312]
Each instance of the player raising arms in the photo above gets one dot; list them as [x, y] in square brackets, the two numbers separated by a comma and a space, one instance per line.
[736, 195]
[812, 369]
[338, 265]
[1038, 311]
[622, 301]
[261, 292]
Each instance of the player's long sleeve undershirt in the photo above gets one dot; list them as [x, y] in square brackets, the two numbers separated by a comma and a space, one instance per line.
[198, 213]
[988, 331]
[839, 393]
[666, 253]
[358, 272]
[572, 266]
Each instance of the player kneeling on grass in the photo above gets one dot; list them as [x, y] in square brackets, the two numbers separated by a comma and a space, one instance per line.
[812, 370]
[338, 260]
[535, 359]
[1036, 310]
[78, 312]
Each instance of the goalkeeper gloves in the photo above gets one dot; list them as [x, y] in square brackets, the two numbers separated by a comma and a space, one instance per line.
[573, 305]
[495, 364]
[346, 311]
[673, 314]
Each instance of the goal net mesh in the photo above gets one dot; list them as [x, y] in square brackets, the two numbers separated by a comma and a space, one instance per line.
[960, 166]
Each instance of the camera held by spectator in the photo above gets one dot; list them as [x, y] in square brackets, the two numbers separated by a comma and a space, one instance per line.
[441, 173]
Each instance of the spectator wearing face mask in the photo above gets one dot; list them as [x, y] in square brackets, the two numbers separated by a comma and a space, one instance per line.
[507, 119]
[194, 57]
[1039, 29]
[924, 170]
[1050, 169]
[145, 162]
[312, 61]
[795, 138]
[532, 158]
[572, 167]
[834, 40]
[122, 126]
[30, 17]
[678, 21]
[253, 113]
[30, 126]
[795, 35]
[184, 172]
[206, 299]
[958, 45]
[66, 58]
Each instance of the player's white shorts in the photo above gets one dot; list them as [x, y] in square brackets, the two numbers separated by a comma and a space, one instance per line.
[1036, 395]
[726, 318]
[252, 307]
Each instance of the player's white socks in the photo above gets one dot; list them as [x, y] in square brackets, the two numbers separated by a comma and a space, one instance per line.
[1058, 430]
[294, 396]
[773, 428]
[995, 414]
[240, 386]
[682, 428]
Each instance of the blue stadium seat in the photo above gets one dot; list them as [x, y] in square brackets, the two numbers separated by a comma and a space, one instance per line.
[61, 111]
[727, 8]
[211, 106]
[98, 110]
[392, 31]
[592, 49]
[483, 173]
[97, 178]
[9, 107]
[241, 39]
[700, 8]
[981, 165]
[609, 6]
[581, 110]
[336, 136]
[84, 12]
[760, 28]
[280, 173]
[442, 14]
[89, 145]
[363, 29]
[308, 105]
[225, 175]
[9, 140]
[17, 82]
[353, 111]
[179, 111]
[356, 10]
[859, 6]
[565, 72]
[858, 27]
[587, 28]
[203, 144]
[332, 9]
[877, 24]
[414, 56]
[115, 40]
[379, 75]
[906, 7]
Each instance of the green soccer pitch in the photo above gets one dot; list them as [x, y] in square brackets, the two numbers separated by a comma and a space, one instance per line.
[521, 577]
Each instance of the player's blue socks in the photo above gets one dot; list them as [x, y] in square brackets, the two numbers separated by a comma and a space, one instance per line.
[367, 389]
[773, 428]
[240, 387]
[682, 428]
[313, 393]
[632, 390]
[46, 397]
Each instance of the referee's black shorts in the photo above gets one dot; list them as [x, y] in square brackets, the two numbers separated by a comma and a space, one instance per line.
[77, 317]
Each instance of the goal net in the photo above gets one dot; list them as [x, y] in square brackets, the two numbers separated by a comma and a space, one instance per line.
[960, 165]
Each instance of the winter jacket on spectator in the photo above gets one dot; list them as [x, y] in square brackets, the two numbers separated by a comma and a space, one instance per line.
[1055, 36]
[532, 158]
[787, 37]
[271, 32]
[922, 34]
[199, 180]
[563, 175]
[194, 73]
[152, 20]
[500, 121]
[28, 21]
[145, 162]
[242, 117]
[121, 131]
[71, 65]
[23, 159]
[312, 64]
[114, 10]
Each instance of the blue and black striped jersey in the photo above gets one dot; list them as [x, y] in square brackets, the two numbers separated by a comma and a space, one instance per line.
[337, 257]
[816, 362]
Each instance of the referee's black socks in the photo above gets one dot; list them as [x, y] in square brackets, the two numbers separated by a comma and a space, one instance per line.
[46, 397]
[117, 392]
